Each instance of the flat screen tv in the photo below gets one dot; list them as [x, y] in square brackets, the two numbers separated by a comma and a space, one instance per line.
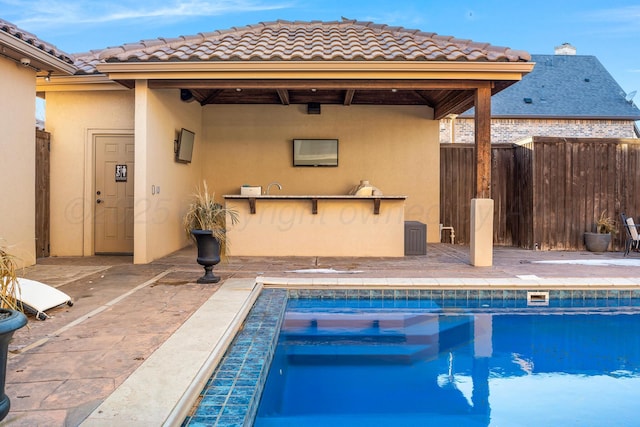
[184, 150]
[315, 152]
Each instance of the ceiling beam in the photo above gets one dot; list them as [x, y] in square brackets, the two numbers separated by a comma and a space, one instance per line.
[208, 99]
[456, 103]
[425, 98]
[284, 96]
[348, 96]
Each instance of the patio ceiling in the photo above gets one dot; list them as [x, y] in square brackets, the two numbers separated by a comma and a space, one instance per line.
[444, 96]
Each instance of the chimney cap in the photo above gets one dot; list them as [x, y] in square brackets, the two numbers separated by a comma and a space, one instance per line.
[565, 49]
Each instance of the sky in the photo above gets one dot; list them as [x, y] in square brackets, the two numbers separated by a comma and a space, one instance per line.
[609, 30]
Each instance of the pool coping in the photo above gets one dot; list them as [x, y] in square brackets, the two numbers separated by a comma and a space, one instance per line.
[164, 388]
[522, 282]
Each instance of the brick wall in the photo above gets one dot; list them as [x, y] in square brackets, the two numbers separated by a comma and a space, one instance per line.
[511, 130]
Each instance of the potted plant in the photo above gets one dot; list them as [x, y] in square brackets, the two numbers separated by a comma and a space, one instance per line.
[600, 240]
[11, 319]
[205, 223]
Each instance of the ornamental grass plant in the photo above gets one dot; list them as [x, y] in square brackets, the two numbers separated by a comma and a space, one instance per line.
[605, 224]
[9, 289]
[204, 213]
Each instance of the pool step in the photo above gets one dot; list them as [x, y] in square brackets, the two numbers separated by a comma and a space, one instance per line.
[413, 328]
[390, 320]
[361, 354]
[373, 346]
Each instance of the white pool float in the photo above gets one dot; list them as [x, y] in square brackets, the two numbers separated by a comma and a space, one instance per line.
[37, 297]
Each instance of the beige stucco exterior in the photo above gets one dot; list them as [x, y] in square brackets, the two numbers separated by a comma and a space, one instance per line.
[481, 223]
[340, 227]
[73, 119]
[17, 162]
[158, 217]
[395, 148]
[162, 186]
[251, 104]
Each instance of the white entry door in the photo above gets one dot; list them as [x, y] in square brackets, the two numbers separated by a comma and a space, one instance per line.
[113, 223]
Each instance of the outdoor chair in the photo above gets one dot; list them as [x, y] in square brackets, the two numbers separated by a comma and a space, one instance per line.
[633, 238]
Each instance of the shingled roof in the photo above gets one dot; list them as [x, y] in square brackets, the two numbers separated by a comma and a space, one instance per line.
[18, 43]
[346, 40]
[564, 86]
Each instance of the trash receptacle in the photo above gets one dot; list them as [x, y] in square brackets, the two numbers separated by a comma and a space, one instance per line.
[415, 238]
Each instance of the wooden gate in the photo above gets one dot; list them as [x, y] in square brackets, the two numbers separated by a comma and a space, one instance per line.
[547, 191]
[42, 193]
[457, 188]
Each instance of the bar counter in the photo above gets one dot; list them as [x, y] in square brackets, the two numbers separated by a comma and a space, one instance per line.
[316, 225]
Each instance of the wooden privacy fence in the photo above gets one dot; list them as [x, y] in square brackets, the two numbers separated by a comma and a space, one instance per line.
[547, 191]
[42, 193]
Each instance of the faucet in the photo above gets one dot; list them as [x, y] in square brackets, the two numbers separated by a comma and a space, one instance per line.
[273, 183]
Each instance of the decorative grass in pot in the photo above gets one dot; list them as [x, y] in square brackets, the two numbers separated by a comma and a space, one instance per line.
[600, 240]
[205, 223]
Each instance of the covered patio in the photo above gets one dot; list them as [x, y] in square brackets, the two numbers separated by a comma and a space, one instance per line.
[246, 92]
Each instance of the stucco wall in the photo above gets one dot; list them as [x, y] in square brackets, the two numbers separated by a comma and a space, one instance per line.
[395, 148]
[17, 162]
[72, 118]
[158, 217]
[162, 186]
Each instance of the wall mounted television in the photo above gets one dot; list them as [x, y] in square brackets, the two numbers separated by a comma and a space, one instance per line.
[315, 152]
[184, 150]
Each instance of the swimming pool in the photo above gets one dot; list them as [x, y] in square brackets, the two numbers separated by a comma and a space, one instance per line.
[368, 360]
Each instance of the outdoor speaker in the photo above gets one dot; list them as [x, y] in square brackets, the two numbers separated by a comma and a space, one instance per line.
[313, 108]
[186, 95]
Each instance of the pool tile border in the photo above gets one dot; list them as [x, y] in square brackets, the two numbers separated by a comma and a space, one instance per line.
[476, 297]
[231, 396]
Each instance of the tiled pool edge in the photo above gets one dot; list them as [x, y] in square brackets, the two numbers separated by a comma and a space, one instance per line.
[184, 406]
[231, 396]
[507, 298]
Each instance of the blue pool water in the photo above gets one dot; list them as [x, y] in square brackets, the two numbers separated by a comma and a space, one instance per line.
[414, 363]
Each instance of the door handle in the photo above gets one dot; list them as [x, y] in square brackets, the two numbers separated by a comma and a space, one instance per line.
[99, 201]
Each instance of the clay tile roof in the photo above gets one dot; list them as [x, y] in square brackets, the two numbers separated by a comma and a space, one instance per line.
[345, 40]
[13, 30]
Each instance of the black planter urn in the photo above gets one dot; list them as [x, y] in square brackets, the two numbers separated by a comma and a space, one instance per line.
[208, 254]
[597, 242]
[10, 321]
